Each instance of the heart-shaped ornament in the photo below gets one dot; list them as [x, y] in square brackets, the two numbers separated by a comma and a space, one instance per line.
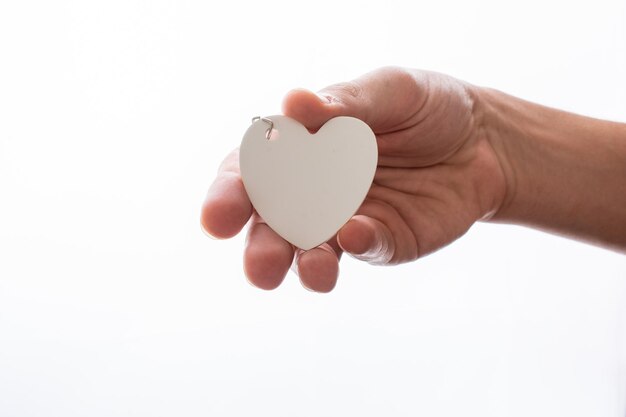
[307, 186]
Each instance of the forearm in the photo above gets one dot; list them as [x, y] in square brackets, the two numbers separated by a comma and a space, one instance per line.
[565, 173]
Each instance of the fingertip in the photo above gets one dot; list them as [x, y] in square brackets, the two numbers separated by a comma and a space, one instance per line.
[204, 230]
[267, 257]
[356, 236]
[306, 107]
[367, 239]
[226, 208]
[318, 269]
[267, 281]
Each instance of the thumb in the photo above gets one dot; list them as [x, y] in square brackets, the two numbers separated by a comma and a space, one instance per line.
[367, 239]
[384, 99]
[314, 109]
[377, 98]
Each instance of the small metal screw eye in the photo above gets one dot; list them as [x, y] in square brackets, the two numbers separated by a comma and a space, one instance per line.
[268, 133]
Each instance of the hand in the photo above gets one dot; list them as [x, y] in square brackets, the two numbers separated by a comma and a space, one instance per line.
[437, 174]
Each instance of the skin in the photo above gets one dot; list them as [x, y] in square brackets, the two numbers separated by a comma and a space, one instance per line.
[450, 154]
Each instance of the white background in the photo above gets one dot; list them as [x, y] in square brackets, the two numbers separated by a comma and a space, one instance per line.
[113, 118]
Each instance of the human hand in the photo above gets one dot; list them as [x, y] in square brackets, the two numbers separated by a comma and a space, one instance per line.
[438, 173]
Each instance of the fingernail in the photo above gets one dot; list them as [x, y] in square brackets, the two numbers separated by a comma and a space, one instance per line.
[207, 233]
[294, 266]
[351, 251]
[326, 99]
[296, 261]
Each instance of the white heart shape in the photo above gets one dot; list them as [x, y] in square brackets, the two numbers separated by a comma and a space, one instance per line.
[307, 186]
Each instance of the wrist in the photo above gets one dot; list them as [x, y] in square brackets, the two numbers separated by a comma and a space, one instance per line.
[496, 182]
[505, 124]
[563, 173]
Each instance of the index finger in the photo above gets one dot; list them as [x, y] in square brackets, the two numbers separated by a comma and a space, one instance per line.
[227, 207]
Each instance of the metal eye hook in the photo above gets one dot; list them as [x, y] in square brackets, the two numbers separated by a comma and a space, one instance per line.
[268, 133]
